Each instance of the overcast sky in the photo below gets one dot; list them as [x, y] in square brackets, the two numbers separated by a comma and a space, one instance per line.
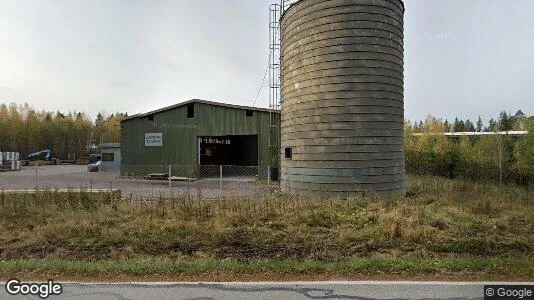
[463, 57]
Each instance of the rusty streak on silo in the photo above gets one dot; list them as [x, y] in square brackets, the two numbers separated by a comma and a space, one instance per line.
[342, 126]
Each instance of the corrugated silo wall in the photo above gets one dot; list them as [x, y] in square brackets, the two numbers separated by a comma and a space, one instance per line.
[343, 97]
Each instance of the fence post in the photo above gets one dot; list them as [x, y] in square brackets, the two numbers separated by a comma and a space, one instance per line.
[500, 159]
[36, 169]
[269, 178]
[170, 180]
[221, 179]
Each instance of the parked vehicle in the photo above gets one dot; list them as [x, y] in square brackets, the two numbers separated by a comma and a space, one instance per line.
[94, 158]
[44, 156]
[95, 161]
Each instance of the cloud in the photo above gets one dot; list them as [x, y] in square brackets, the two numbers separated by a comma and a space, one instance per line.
[120, 84]
[443, 36]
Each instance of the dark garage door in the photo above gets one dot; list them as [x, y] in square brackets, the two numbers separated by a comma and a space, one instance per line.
[232, 150]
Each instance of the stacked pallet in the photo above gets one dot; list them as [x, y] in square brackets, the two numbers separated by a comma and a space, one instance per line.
[9, 161]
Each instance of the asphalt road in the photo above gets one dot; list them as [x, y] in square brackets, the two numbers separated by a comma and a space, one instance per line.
[278, 290]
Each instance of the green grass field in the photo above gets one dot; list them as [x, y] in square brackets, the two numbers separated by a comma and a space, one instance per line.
[441, 227]
[272, 269]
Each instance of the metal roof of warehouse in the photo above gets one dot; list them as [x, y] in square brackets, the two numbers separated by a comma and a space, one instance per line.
[197, 101]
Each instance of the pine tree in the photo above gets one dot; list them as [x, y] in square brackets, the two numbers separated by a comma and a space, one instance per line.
[519, 114]
[456, 125]
[518, 122]
[459, 125]
[492, 125]
[447, 126]
[469, 126]
[505, 122]
[479, 124]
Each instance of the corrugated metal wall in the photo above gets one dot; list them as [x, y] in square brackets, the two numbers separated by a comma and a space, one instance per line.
[180, 134]
[343, 97]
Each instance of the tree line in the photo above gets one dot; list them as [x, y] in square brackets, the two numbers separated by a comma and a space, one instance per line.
[69, 135]
[72, 135]
[497, 158]
[504, 122]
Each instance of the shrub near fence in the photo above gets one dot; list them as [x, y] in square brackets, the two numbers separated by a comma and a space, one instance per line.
[489, 158]
[452, 166]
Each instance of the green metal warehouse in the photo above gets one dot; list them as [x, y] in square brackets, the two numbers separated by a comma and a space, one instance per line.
[196, 133]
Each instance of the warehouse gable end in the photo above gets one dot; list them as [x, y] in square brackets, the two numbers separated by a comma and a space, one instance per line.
[196, 132]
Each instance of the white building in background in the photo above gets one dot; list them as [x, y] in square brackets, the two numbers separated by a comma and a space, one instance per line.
[111, 157]
[458, 134]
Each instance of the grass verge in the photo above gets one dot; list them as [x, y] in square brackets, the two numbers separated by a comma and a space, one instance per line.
[484, 269]
[441, 227]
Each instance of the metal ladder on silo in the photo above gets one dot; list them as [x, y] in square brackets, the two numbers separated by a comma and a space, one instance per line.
[275, 94]
[275, 12]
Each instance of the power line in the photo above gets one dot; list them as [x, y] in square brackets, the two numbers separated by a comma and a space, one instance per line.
[262, 82]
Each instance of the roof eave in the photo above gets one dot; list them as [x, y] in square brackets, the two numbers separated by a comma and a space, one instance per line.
[141, 115]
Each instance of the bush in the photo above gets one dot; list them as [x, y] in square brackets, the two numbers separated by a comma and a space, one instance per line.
[487, 158]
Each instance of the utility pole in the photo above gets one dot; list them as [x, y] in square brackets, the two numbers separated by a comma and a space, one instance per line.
[500, 159]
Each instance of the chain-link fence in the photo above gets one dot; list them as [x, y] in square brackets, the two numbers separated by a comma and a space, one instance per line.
[202, 181]
[153, 182]
[150, 182]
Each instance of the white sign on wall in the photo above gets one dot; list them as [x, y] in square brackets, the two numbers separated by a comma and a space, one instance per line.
[154, 139]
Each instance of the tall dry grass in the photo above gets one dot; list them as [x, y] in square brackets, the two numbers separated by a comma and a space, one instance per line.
[438, 218]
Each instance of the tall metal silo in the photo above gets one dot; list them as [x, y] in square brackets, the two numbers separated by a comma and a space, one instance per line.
[342, 124]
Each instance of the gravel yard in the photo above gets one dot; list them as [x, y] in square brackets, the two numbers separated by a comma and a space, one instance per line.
[75, 177]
